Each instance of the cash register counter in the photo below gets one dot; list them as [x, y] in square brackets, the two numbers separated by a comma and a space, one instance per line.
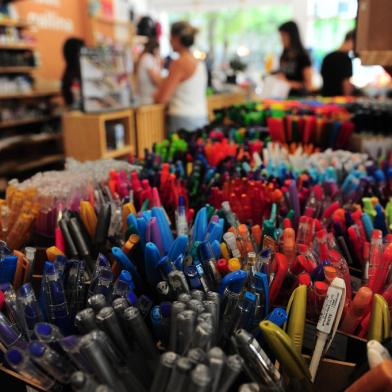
[85, 134]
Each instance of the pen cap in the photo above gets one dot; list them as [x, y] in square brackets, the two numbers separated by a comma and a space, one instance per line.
[97, 302]
[234, 264]
[200, 377]
[46, 332]
[233, 281]
[85, 320]
[205, 252]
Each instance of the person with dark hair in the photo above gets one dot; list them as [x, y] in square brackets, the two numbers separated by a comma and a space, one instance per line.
[71, 75]
[148, 72]
[295, 65]
[185, 88]
[337, 69]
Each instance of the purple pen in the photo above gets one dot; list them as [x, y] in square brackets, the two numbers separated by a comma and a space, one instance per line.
[154, 235]
[294, 201]
[9, 335]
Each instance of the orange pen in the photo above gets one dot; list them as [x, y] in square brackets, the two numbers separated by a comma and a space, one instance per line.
[133, 240]
[289, 245]
[256, 233]
[53, 252]
[22, 269]
[88, 217]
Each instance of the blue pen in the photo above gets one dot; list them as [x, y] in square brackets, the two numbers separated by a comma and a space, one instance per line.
[151, 259]
[260, 287]
[165, 267]
[367, 225]
[132, 221]
[75, 287]
[56, 304]
[178, 247]
[29, 306]
[103, 284]
[131, 298]
[199, 228]
[122, 285]
[216, 249]
[379, 220]
[215, 232]
[9, 335]
[61, 263]
[278, 316]
[164, 228]
[245, 311]
[124, 261]
[193, 278]
[155, 317]
[142, 228]
[8, 268]
[181, 218]
[13, 309]
[179, 262]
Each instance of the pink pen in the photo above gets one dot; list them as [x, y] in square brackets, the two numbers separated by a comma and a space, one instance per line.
[304, 232]
[376, 251]
[59, 239]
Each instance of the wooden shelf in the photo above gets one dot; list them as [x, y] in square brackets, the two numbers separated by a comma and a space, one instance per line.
[29, 139]
[111, 21]
[47, 160]
[17, 70]
[32, 94]
[26, 121]
[6, 22]
[17, 46]
[16, 375]
[126, 150]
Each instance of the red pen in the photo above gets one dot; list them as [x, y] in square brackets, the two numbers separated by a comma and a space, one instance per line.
[357, 241]
[304, 230]
[380, 276]
[304, 278]
[320, 293]
[280, 268]
[330, 210]
[2, 300]
[376, 251]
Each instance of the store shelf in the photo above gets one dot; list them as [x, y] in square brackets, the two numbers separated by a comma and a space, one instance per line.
[16, 70]
[6, 22]
[26, 121]
[17, 46]
[111, 21]
[32, 94]
[126, 150]
[29, 139]
[47, 160]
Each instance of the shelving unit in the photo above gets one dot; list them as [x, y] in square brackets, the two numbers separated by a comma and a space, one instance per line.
[29, 124]
[85, 135]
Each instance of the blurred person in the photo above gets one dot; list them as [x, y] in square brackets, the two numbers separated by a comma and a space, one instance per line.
[72, 74]
[337, 69]
[184, 90]
[148, 70]
[294, 64]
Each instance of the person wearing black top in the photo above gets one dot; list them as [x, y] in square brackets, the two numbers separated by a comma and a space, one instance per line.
[337, 69]
[295, 65]
[71, 52]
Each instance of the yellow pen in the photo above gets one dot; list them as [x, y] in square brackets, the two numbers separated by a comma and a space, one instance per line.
[296, 312]
[88, 217]
[224, 251]
[127, 209]
[380, 320]
[286, 353]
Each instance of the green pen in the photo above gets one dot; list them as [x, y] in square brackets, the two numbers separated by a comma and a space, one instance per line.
[380, 320]
[368, 207]
[388, 213]
[296, 312]
[286, 353]
[145, 205]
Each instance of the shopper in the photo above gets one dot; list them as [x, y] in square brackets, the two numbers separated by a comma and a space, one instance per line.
[71, 76]
[337, 69]
[148, 70]
[185, 87]
[295, 65]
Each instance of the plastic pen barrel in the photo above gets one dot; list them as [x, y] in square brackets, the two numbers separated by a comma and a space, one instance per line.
[80, 242]
[71, 346]
[80, 381]
[216, 360]
[57, 366]
[103, 224]
[197, 294]
[9, 335]
[97, 302]
[138, 329]
[202, 336]
[29, 306]
[232, 369]
[103, 368]
[177, 307]
[72, 252]
[197, 355]
[179, 375]
[162, 375]
[19, 360]
[185, 329]
[200, 379]
[85, 320]
[184, 297]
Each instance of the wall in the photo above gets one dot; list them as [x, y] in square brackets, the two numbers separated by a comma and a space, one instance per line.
[54, 21]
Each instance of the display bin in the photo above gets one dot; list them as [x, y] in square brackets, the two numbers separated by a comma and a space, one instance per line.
[85, 134]
[220, 101]
[150, 127]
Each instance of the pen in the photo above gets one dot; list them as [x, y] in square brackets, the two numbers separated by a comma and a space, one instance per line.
[29, 306]
[185, 329]
[376, 353]
[167, 362]
[10, 336]
[82, 382]
[85, 320]
[200, 378]
[179, 374]
[380, 320]
[216, 361]
[328, 322]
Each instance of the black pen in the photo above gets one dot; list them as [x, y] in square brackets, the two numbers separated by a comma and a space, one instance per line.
[82, 382]
[185, 329]
[85, 321]
[167, 362]
[97, 302]
[176, 308]
[179, 375]
[216, 359]
[200, 379]
[232, 369]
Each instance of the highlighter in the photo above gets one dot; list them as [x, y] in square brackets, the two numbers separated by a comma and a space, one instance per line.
[357, 309]
[286, 352]
[88, 217]
[296, 311]
[328, 322]
[380, 319]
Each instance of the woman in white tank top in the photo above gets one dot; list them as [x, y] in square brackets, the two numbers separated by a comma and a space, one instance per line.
[185, 87]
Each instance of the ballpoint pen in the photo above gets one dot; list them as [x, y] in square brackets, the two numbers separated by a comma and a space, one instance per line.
[380, 320]
[71, 346]
[14, 310]
[10, 336]
[152, 258]
[82, 382]
[356, 310]
[59, 368]
[216, 361]
[328, 322]
[256, 363]
[244, 312]
[296, 311]
[179, 374]
[280, 267]
[85, 321]
[29, 306]
[166, 365]
[19, 360]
